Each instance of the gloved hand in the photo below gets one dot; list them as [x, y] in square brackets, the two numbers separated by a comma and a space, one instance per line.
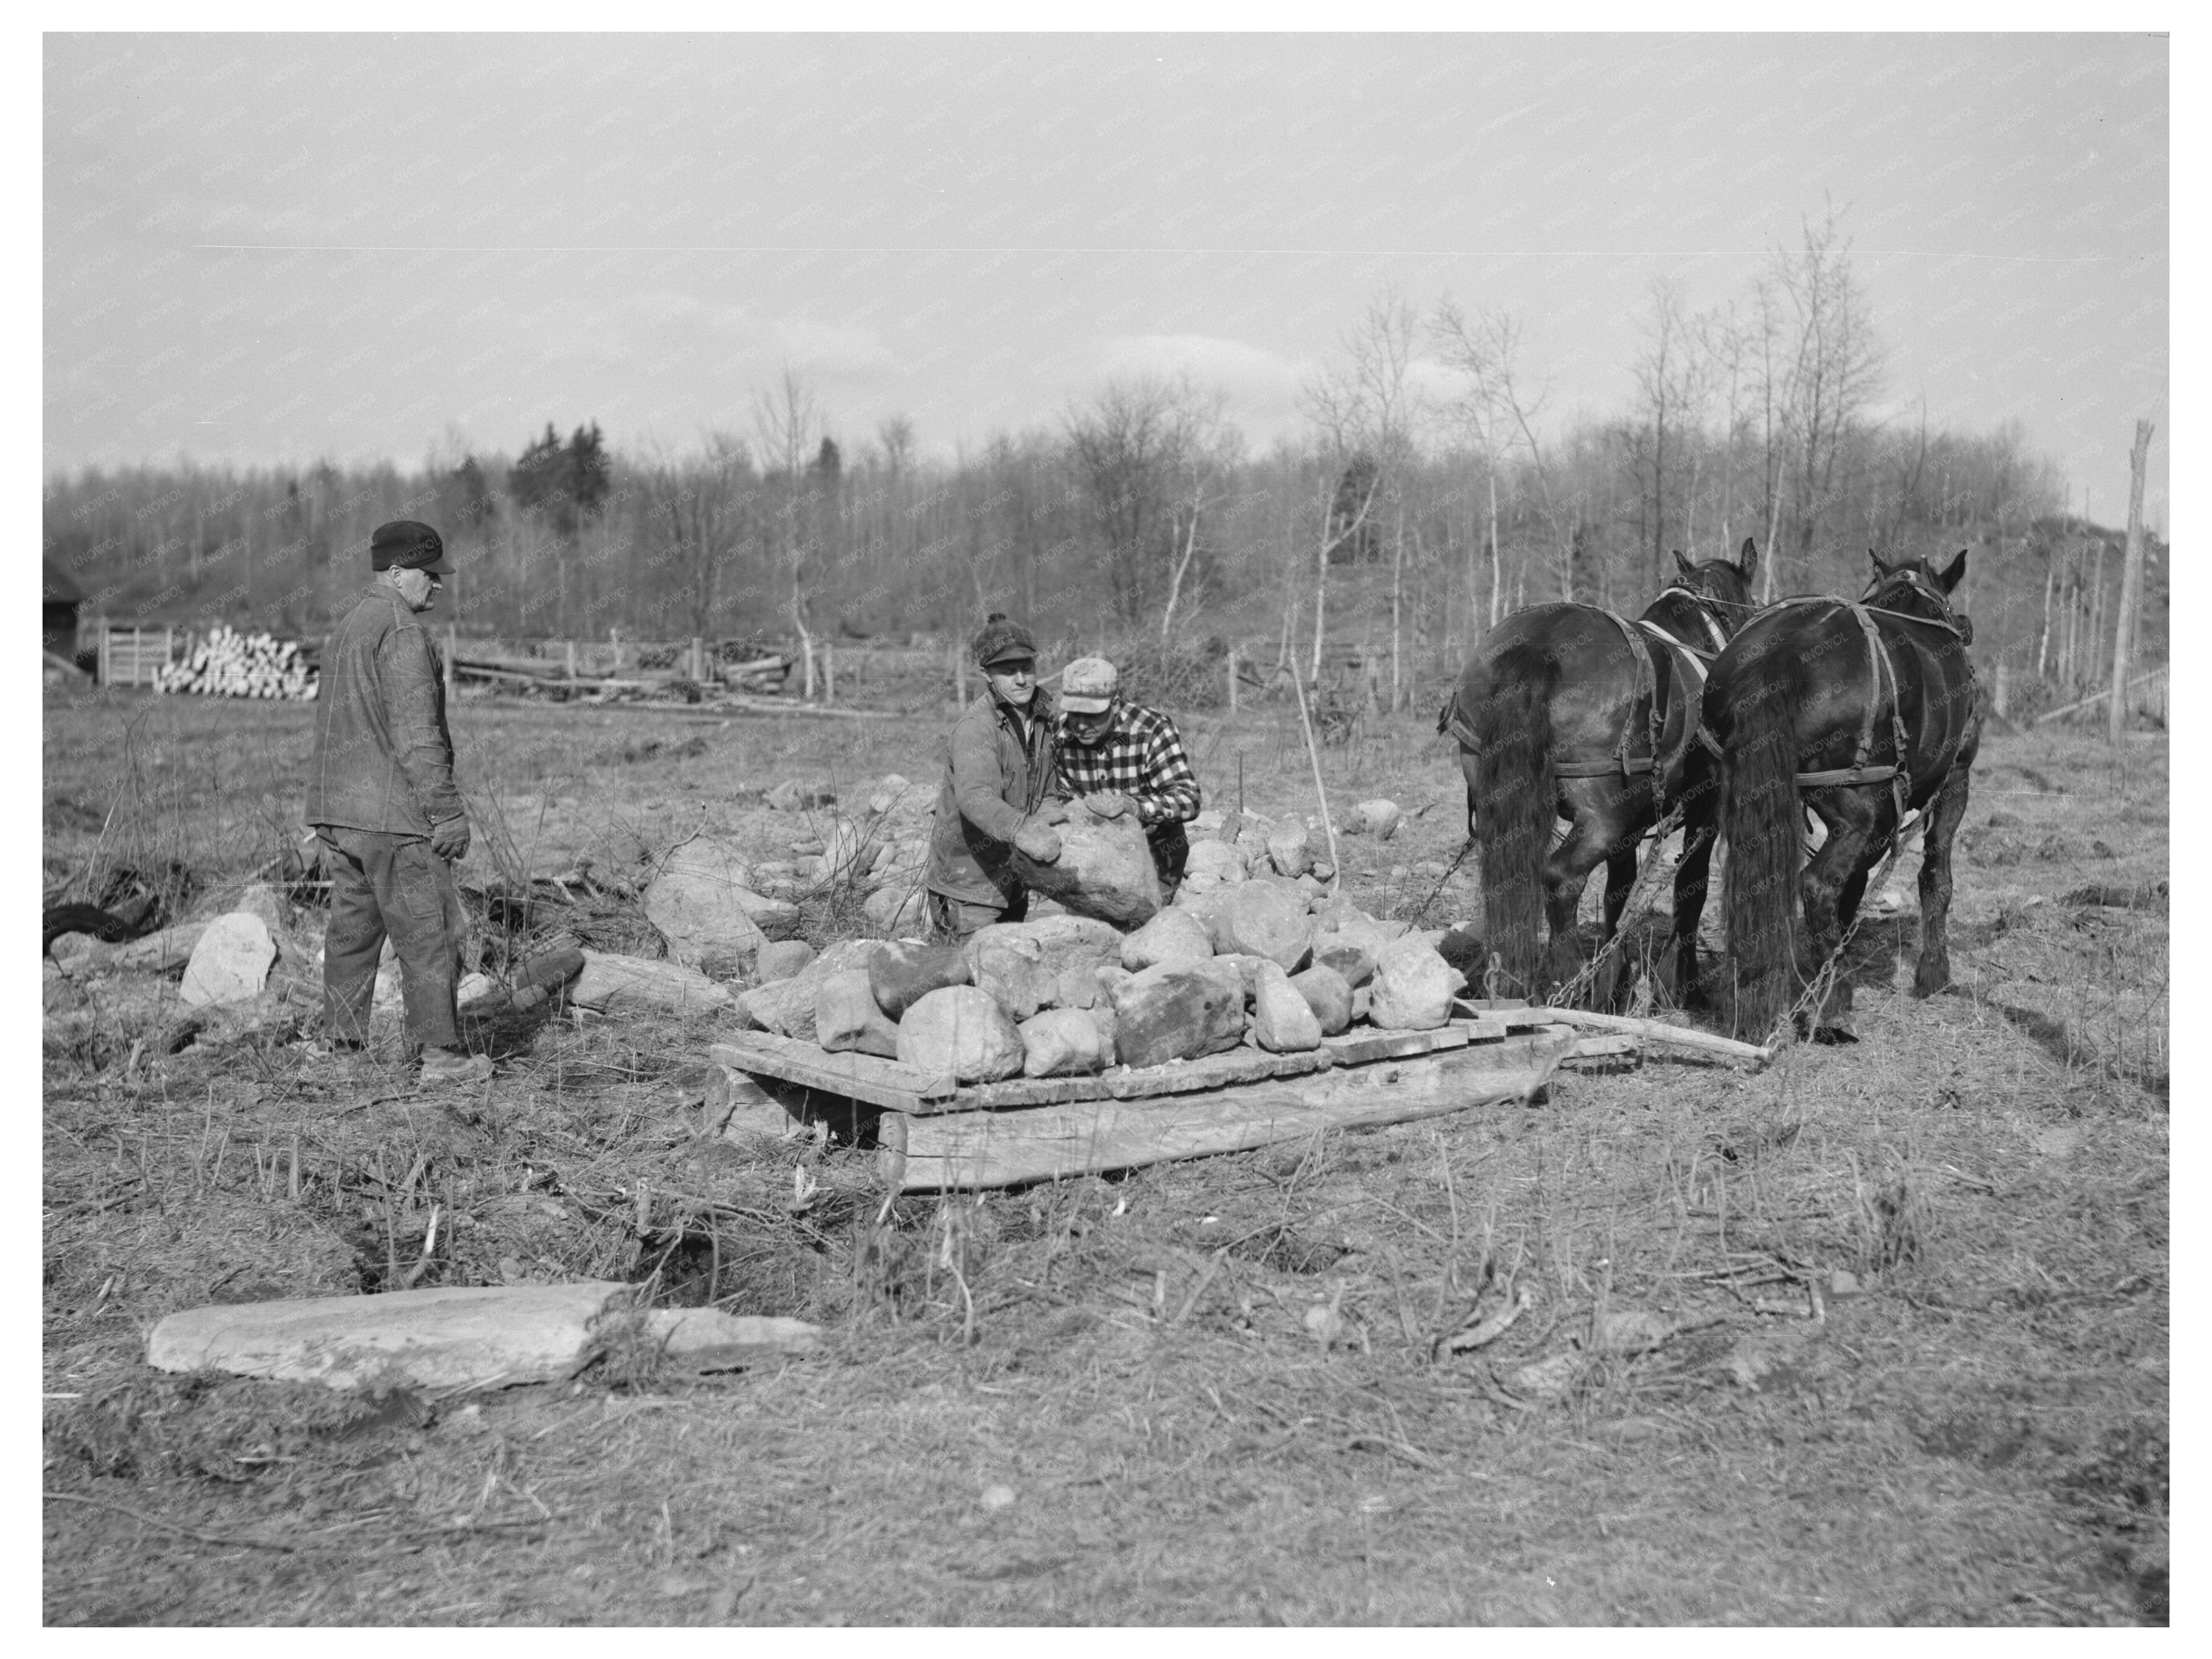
[1037, 841]
[449, 839]
[1108, 804]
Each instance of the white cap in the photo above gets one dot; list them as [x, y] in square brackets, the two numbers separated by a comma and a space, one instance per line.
[1087, 685]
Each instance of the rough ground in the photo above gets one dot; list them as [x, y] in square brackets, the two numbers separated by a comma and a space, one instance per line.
[1102, 1402]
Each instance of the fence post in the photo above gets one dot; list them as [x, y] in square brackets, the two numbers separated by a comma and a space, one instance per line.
[2116, 729]
[571, 652]
[828, 672]
[2003, 686]
[1232, 679]
[698, 660]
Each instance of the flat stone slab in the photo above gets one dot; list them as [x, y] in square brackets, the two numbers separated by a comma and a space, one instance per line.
[447, 1337]
[452, 1337]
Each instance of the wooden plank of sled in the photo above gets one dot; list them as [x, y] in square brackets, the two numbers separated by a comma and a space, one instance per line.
[1360, 1047]
[974, 1150]
[1653, 1030]
[1181, 1078]
[857, 1076]
[1605, 1048]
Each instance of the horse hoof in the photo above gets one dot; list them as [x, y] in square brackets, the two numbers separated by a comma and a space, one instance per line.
[1834, 1036]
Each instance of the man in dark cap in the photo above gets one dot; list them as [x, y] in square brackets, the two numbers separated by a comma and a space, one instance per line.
[998, 774]
[382, 799]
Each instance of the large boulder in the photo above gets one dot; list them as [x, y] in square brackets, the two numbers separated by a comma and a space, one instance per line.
[1214, 860]
[797, 795]
[230, 962]
[1327, 995]
[1262, 920]
[781, 959]
[1377, 818]
[1063, 1043]
[1013, 973]
[846, 1019]
[1290, 849]
[703, 904]
[1412, 988]
[1076, 987]
[1058, 941]
[615, 984]
[1178, 1012]
[894, 909]
[900, 975]
[787, 1006]
[1282, 1021]
[1174, 936]
[960, 1032]
[1104, 869]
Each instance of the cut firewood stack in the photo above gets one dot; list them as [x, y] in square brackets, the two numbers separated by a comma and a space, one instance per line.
[229, 664]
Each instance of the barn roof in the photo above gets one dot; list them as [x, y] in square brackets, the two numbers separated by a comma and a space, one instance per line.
[61, 587]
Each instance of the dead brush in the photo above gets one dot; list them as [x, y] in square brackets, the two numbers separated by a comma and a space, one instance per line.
[1891, 1218]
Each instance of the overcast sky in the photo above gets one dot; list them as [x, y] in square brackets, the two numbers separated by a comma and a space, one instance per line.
[275, 248]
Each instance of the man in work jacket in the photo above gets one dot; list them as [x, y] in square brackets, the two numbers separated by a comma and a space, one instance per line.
[998, 776]
[1119, 757]
[382, 799]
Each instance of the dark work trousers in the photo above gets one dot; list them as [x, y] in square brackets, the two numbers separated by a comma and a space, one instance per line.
[384, 884]
[953, 921]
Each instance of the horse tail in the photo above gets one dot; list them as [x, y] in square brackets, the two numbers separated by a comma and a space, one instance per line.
[1514, 797]
[1762, 824]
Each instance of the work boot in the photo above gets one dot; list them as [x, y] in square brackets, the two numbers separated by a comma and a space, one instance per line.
[450, 1065]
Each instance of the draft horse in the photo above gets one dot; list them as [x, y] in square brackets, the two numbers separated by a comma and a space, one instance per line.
[1570, 711]
[1867, 713]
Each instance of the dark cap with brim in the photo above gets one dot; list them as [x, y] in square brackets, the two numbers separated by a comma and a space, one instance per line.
[1003, 642]
[407, 544]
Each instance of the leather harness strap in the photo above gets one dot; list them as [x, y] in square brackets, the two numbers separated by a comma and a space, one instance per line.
[1646, 687]
[1897, 774]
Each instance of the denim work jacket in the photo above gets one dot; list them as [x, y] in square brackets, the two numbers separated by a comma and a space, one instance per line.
[383, 759]
[994, 777]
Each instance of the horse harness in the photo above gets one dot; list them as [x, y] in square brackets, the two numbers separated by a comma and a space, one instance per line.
[1863, 770]
[1687, 664]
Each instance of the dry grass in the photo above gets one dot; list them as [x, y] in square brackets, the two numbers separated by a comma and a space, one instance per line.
[1976, 1438]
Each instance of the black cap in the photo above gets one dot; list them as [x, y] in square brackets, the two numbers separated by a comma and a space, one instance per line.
[1001, 641]
[407, 544]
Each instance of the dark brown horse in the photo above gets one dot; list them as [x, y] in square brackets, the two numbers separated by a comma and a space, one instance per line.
[1864, 713]
[1571, 711]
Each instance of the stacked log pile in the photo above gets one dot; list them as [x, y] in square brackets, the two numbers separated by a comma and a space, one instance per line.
[229, 664]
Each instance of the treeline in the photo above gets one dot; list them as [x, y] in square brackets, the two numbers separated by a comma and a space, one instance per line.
[1428, 496]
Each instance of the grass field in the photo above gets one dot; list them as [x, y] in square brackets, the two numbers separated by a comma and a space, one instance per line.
[1143, 1428]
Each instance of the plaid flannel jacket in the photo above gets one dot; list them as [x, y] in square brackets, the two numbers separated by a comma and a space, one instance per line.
[1141, 757]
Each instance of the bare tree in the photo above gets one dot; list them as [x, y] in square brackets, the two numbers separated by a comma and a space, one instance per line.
[1671, 383]
[895, 433]
[788, 421]
[1835, 366]
[1500, 412]
[1364, 409]
[1206, 450]
[697, 505]
[1122, 440]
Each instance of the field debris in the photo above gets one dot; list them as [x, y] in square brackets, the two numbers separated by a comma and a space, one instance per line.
[1490, 1326]
[457, 1337]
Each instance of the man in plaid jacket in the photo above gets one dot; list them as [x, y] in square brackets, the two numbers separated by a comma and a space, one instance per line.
[1119, 757]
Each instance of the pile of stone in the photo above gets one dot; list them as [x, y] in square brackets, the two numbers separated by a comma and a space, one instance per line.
[1256, 962]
